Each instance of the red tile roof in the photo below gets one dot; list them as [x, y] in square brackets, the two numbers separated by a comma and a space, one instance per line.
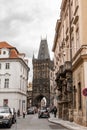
[13, 51]
[13, 54]
[5, 45]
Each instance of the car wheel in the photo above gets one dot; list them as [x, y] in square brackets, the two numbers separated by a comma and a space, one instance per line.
[9, 125]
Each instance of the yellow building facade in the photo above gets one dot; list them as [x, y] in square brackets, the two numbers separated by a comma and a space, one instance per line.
[70, 61]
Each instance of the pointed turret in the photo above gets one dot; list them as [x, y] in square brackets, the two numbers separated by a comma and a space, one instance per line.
[43, 50]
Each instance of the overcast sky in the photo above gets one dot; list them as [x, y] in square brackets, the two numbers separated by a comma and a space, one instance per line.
[24, 22]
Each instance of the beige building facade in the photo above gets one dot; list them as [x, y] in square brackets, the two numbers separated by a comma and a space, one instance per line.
[29, 95]
[70, 61]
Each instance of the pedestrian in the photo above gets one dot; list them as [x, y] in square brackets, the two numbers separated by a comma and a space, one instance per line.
[18, 113]
[55, 111]
[23, 114]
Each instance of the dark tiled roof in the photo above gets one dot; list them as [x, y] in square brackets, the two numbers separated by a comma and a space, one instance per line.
[43, 50]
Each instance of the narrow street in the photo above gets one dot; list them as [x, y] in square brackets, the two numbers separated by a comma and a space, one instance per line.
[31, 122]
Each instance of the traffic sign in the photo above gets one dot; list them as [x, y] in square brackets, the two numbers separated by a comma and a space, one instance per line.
[84, 91]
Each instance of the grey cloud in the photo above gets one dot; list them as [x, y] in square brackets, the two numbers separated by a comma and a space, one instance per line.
[25, 21]
[11, 24]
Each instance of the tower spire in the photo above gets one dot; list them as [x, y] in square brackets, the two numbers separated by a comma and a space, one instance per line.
[43, 50]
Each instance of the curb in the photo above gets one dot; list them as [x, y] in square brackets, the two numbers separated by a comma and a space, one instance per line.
[61, 124]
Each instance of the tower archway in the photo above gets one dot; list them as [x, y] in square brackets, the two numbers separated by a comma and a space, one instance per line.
[40, 100]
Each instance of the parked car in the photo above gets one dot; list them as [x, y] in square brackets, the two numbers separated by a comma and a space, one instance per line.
[31, 110]
[13, 115]
[5, 116]
[43, 113]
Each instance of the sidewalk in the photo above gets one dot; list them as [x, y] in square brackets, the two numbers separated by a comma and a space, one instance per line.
[67, 124]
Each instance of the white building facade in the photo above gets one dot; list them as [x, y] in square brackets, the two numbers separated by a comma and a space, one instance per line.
[13, 77]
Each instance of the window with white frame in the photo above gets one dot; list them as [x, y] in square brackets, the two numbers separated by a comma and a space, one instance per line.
[7, 66]
[6, 83]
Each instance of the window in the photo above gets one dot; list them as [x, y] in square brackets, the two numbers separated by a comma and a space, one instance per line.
[6, 85]
[4, 52]
[5, 102]
[7, 65]
[79, 96]
[74, 97]
[0, 65]
[77, 39]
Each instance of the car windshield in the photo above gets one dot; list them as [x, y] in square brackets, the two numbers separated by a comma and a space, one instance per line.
[31, 108]
[42, 109]
[4, 110]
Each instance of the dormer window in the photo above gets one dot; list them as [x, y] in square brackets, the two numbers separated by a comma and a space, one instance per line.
[4, 52]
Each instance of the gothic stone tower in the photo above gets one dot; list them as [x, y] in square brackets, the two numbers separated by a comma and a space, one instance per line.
[41, 79]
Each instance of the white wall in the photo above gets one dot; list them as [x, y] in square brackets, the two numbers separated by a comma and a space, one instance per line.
[17, 89]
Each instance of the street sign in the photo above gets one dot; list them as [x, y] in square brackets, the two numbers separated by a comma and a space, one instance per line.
[84, 91]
